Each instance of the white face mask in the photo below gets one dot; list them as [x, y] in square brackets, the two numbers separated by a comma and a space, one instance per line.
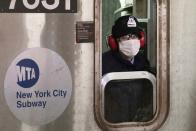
[129, 48]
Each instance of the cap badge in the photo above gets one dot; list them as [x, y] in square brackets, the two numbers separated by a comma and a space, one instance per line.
[131, 22]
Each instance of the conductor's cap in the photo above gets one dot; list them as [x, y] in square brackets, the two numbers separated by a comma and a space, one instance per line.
[126, 25]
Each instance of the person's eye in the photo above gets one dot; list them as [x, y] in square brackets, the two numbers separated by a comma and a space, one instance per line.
[133, 37]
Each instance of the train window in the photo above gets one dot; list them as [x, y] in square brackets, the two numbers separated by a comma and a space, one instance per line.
[131, 63]
[127, 105]
[128, 96]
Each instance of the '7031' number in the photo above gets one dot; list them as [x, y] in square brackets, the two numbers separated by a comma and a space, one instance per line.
[45, 4]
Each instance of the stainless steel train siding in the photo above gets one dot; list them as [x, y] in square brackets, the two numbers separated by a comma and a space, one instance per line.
[57, 32]
[182, 67]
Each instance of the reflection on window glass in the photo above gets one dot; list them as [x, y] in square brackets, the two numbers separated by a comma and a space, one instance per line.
[128, 101]
[140, 8]
[108, 17]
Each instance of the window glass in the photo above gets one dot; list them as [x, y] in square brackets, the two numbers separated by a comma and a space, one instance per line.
[128, 101]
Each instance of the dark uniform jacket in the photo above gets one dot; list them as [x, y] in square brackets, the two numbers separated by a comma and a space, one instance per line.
[113, 62]
[129, 100]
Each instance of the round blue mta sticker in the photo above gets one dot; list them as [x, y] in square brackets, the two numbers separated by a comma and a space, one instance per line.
[27, 73]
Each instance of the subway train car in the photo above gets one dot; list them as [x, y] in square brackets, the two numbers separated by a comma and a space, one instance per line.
[72, 37]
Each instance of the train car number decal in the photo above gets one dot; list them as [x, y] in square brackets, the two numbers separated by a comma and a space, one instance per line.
[38, 6]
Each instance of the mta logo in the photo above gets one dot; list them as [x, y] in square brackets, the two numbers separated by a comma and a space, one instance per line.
[27, 73]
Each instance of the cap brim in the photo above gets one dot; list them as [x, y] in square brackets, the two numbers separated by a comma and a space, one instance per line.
[131, 30]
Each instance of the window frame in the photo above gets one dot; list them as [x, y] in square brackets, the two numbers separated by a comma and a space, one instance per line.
[162, 76]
